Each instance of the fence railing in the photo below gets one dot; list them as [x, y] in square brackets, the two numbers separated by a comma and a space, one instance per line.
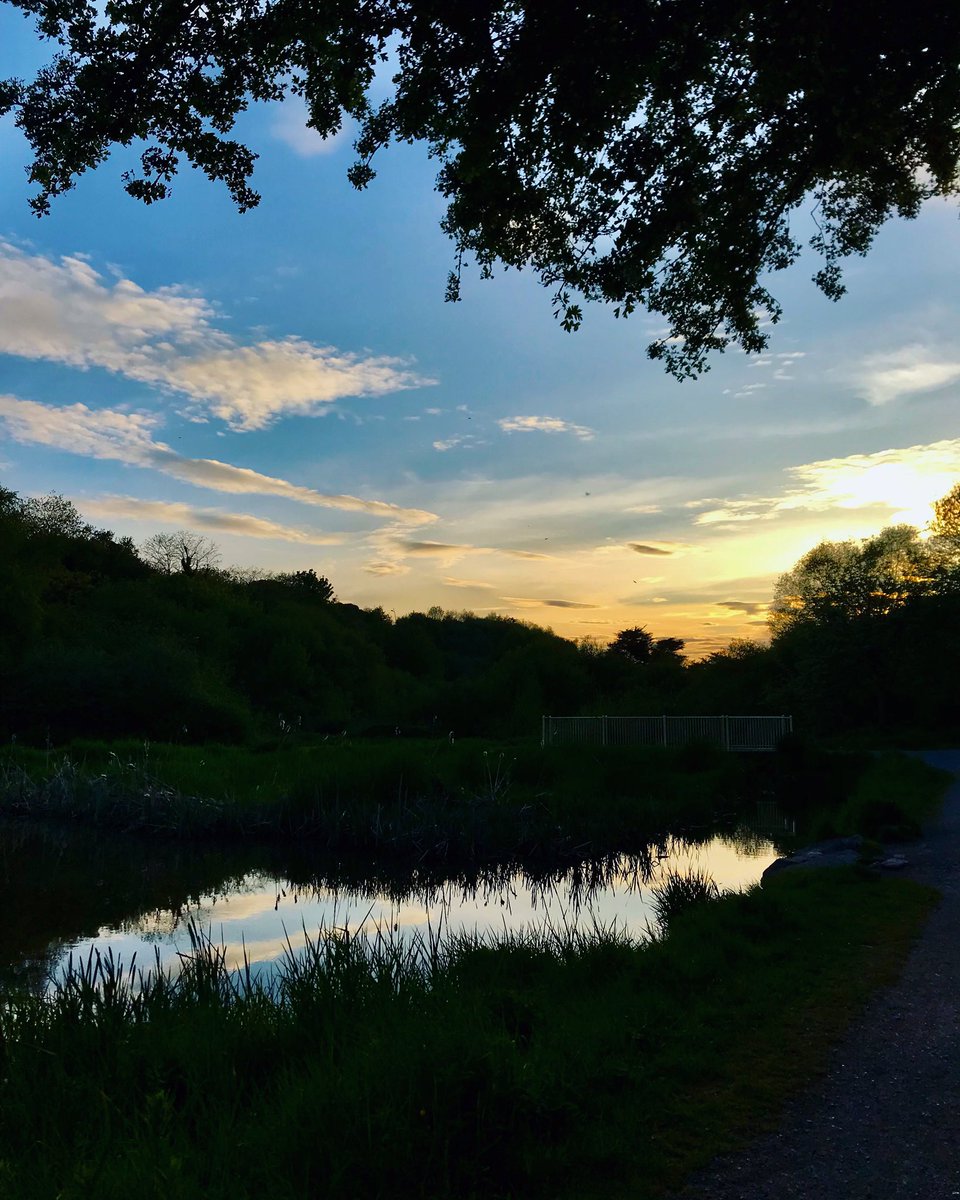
[730, 732]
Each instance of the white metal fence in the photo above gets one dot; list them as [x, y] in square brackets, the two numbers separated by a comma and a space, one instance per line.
[731, 733]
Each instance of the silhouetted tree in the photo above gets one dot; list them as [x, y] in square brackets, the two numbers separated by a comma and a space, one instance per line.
[181, 551]
[54, 514]
[309, 583]
[640, 646]
[635, 644]
[653, 154]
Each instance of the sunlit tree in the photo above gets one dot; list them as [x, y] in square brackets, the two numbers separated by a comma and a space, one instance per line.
[946, 515]
[853, 579]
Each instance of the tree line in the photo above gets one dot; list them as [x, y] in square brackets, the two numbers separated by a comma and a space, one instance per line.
[103, 639]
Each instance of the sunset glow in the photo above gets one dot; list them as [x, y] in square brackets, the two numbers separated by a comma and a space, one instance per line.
[291, 382]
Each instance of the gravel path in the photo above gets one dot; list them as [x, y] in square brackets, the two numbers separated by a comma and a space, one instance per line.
[884, 1122]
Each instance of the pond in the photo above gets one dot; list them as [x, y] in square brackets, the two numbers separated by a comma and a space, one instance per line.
[70, 891]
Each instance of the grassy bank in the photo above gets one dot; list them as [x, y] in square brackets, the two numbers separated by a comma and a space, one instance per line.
[538, 1066]
[883, 796]
[430, 799]
[468, 801]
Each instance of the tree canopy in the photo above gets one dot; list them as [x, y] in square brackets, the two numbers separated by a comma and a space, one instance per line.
[666, 154]
[850, 580]
[640, 646]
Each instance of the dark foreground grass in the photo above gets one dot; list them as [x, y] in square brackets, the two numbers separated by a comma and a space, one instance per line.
[430, 799]
[552, 1064]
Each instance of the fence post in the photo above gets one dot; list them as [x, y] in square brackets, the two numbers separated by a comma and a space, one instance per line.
[543, 732]
[663, 728]
[603, 731]
[726, 733]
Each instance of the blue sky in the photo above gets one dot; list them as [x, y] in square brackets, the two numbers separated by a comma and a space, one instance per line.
[290, 382]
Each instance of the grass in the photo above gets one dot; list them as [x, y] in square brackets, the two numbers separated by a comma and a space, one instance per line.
[429, 800]
[680, 892]
[552, 1063]
[470, 801]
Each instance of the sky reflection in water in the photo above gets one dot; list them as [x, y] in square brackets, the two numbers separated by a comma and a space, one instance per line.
[261, 915]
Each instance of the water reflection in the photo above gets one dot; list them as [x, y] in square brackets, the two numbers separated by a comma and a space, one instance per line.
[64, 890]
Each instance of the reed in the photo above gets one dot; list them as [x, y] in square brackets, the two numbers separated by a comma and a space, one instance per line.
[679, 891]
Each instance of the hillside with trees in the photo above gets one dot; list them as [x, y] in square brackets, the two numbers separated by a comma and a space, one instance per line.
[101, 639]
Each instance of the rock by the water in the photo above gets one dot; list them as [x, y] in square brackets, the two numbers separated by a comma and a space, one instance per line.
[834, 852]
[893, 863]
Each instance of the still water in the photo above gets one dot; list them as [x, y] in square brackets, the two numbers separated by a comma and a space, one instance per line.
[67, 892]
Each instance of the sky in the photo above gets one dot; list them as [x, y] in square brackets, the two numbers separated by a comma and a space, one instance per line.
[290, 382]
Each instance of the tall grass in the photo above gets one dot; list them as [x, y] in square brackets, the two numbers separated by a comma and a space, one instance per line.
[548, 1063]
[680, 891]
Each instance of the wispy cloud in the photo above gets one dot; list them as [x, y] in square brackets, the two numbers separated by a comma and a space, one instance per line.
[128, 438]
[467, 440]
[535, 602]
[386, 567]
[544, 425]
[436, 549]
[750, 607]
[66, 312]
[452, 581]
[904, 372]
[162, 512]
[525, 554]
[393, 548]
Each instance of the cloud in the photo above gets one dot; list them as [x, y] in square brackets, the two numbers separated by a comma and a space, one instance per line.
[162, 512]
[127, 437]
[66, 312]
[385, 567]
[750, 607]
[535, 602]
[451, 581]
[450, 550]
[430, 549]
[905, 481]
[525, 554]
[904, 372]
[290, 127]
[467, 440]
[648, 548]
[249, 386]
[544, 425]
